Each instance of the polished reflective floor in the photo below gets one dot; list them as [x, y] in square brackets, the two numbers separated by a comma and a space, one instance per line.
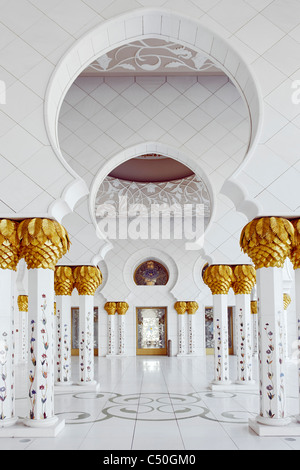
[156, 403]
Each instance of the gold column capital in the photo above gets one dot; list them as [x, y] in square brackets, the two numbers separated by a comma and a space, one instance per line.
[268, 241]
[218, 278]
[244, 279]
[9, 244]
[286, 301]
[63, 280]
[295, 251]
[23, 303]
[110, 307]
[42, 242]
[122, 308]
[87, 279]
[180, 307]
[191, 308]
[254, 307]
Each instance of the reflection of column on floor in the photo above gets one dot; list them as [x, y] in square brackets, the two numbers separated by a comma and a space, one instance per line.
[87, 280]
[111, 308]
[219, 279]
[122, 308]
[244, 281]
[191, 308]
[180, 308]
[63, 285]
[9, 259]
[268, 241]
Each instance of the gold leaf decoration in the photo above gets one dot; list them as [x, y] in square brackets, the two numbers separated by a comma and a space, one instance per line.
[268, 241]
[9, 245]
[87, 279]
[110, 307]
[192, 308]
[295, 252]
[43, 242]
[218, 278]
[180, 307]
[286, 301]
[254, 307]
[63, 280]
[122, 308]
[244, 279]
[23, 303]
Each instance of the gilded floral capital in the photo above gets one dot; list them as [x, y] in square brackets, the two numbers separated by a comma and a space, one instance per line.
[122, 308]
[218, 278]
[63, 280]
[9, 245]
[180, 307]
[42, 242]
[87, 279]
[23, 303]
[268, 241]
[191, 308]
[295, 252]
[110, 307]
[244, 279]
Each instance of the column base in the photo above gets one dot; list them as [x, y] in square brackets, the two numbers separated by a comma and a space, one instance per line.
[286, 428]
[8, 422]
[23, 430]
[219, 385]
[87, 386]
[249, 385]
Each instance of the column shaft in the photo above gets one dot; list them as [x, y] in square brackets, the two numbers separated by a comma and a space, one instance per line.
[220, 306]
[271, 353]
[181, 334]
[41, 350]
[86, 335]
[7, 383]
[111, 335]
[63, 315]
[191, 327]
[297, 292]
[244, 343]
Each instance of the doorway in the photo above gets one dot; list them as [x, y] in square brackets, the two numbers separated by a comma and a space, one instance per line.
[75, 331]
[209, 331]
[151, 331]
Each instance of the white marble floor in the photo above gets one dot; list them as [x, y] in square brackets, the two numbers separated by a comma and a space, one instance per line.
[148, 403]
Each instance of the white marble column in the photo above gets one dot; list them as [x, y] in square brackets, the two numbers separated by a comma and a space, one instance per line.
[64, 286]
[122, 308]
[23, 312]
[111, 308]
[286, 303]
[219, 279]
[244, 281]
[297, 295]
[7, 347]
[192, 308]
[63, 322]
[180, 308]
[87, 280]
[268, 242]
[42, 243]
[254, 317]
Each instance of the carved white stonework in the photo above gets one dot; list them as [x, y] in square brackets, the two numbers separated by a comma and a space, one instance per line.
[152, 55]
[190, 190]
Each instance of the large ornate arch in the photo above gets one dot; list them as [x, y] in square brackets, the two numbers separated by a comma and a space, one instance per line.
[146, 23]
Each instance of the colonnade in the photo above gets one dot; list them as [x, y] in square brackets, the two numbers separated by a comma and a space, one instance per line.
[121, 308]
[268, 241]
[186, 325]
[41, 243]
